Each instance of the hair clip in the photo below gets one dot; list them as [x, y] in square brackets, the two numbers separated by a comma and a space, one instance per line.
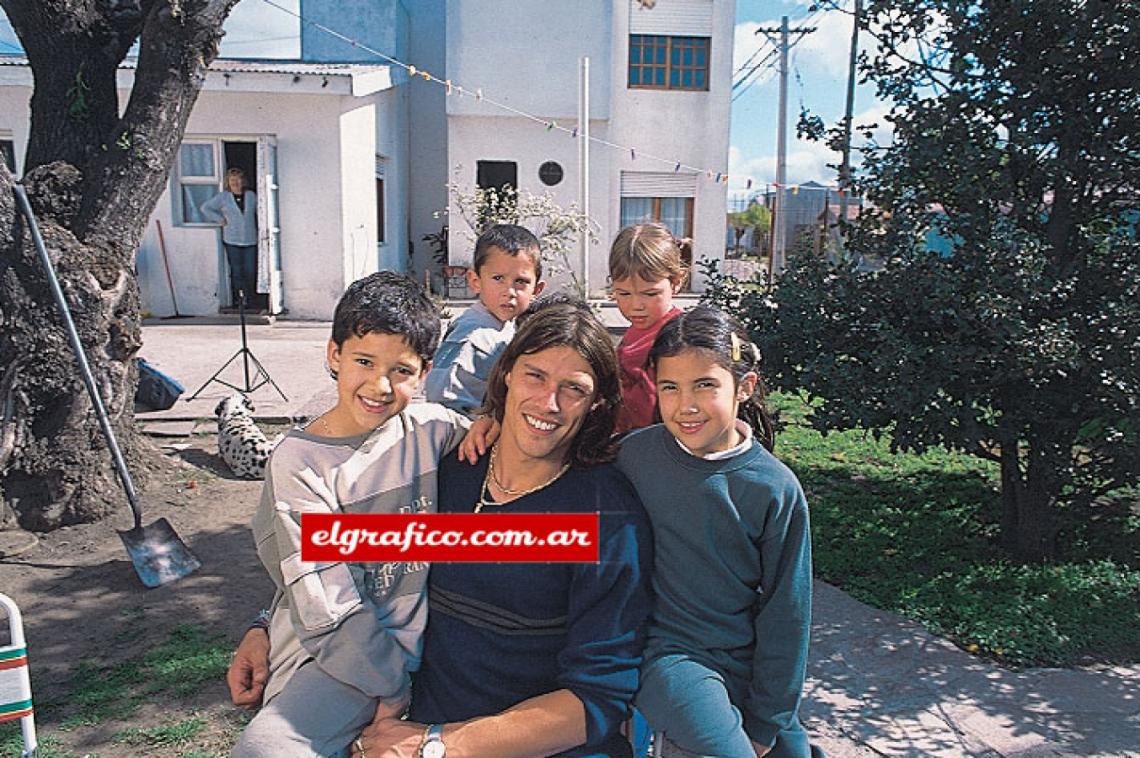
[735, 346]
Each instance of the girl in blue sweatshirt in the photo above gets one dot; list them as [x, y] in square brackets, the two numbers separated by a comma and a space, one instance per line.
[728, 639]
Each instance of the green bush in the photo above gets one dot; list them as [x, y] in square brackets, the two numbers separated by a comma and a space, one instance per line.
[917, 535]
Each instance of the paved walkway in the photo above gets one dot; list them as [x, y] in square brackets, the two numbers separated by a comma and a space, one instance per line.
[878, 684]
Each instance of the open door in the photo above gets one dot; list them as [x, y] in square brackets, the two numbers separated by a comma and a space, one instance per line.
[269, 225]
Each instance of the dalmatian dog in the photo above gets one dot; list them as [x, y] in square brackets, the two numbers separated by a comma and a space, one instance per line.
[241, 443]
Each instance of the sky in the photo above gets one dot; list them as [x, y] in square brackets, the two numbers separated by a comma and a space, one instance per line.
[817, 80]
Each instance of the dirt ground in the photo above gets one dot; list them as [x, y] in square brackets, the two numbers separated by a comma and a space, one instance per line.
[89, 621]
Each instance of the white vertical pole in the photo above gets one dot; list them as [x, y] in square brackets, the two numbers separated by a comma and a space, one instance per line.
[584, 168]
[845, 168]
[780, 220]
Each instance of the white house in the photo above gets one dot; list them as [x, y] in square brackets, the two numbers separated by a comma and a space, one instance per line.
[660, 83]
[327, 144]
[352, 157]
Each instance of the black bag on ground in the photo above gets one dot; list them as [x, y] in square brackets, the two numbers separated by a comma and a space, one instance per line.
[156, 390]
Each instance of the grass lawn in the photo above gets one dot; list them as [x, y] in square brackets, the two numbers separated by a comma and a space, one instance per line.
[108, 697]
[917, 535]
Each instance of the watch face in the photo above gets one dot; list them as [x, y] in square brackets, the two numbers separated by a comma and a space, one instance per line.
[434, 749]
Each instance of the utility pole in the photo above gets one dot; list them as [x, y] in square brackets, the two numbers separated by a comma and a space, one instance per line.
[845, 167]
[779, 216]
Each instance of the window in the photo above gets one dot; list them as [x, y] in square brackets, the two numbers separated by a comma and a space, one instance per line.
[8, 154]
[674, 212]
[501, 176]
[664, 62]
[197, 180]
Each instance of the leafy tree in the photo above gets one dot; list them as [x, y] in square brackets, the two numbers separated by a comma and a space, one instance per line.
[756, 217]
[94, 173]
[1017, 144]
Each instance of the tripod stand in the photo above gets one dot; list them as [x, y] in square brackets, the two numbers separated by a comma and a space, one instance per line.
[259, 378]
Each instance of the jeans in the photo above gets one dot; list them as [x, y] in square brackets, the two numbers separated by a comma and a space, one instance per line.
[243, 271]
[694, 706]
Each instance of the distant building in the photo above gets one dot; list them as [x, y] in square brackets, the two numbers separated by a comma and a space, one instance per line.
[812, 213]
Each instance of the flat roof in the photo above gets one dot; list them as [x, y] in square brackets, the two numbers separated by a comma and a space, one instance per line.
[357, 79]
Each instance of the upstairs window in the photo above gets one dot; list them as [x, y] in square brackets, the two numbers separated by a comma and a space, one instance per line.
[665, 62]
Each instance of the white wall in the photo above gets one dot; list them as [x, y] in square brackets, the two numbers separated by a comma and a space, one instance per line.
[526, 54]
[358, 191]
[471, 139]
[327, 221]
[690, 127]
[392, 145]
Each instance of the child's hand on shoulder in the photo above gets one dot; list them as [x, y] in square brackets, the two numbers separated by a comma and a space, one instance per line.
[480, 437]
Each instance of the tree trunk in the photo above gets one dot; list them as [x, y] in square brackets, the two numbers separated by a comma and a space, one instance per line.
[1029, 523]
[60, 470]
[93, 178]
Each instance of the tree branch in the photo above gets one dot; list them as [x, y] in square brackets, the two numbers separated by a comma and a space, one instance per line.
[179, 40]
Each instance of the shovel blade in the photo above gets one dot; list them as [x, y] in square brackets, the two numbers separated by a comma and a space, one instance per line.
[158, 554]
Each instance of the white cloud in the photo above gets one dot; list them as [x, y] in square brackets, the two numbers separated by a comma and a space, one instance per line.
[828, 48]
[807, 161]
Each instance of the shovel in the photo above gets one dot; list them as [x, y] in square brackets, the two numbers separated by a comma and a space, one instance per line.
[158, 554]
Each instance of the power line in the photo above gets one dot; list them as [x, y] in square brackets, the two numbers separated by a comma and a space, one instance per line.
[809, 18]
[771, 60]
[477, 93]
[751, 58]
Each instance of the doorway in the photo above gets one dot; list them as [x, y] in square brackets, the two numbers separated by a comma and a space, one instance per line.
[243, 155]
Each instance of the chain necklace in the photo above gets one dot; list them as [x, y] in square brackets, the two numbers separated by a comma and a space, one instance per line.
[485, 497]
[325, 424]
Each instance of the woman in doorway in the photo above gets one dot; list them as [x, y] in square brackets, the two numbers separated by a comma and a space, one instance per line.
[235, 209]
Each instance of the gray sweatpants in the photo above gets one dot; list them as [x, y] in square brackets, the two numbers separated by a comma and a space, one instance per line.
[314, 716]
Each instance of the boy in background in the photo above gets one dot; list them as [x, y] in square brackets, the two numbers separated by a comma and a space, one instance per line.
[506, 275]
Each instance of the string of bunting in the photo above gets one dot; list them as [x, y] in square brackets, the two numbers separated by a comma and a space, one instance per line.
[550, 125]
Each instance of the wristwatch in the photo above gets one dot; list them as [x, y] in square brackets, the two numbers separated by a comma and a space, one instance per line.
[432, 745]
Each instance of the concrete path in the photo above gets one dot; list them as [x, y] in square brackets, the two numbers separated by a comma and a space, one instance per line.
[878, 684]
[882, 685]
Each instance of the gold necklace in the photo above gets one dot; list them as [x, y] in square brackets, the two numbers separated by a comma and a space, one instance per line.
[491, 476]
[325, 424]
